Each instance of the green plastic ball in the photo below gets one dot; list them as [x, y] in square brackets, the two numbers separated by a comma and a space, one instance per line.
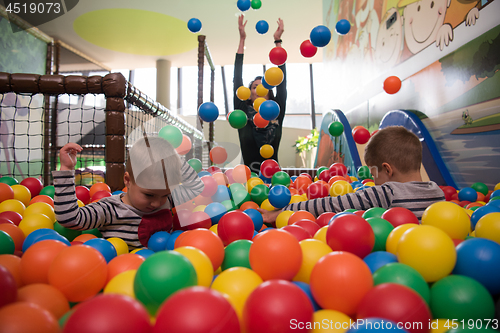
[235, 187]
[70, 234]
[237, 119]
[229, 204]
[373, 212]
[253, 175]
[195, 164]
[259, 193]
[240, 197]
[8, 180]
[160, 275]
[404, 275]
[172, 134]
[381, 229]
[336, 128]
[7, 245]
[48, 190]
[364, 172]
[280, 178]
[256, 4]
[480, 187]
[320, 169]
[236, 254]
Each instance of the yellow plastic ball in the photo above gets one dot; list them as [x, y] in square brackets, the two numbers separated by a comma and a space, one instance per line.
[236, 284]
[438, 325]
[201, 263]
[21, 193]
[266, 151]
[243, 93]
[261, 90]
[258, 101]
[328, 321]
[80, 203]
[199, 208]
[321, 234]
[136, 250]
[41, 208]
[122, 284]
[267, 205]
[297, 198]
[488, 227]
[316, 178]
[312, 251]
[251, 183]
[429, 250]
[391, 244]
[274, 76]
[13, 205]
[214, 228]
[119, 244]
[497, 187]
[340, 187]
[353, 179]
[370, 184]
[282, 218]
[34, 222]
[449, 217]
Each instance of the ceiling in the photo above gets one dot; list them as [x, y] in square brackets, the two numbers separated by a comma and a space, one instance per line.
[129, 34]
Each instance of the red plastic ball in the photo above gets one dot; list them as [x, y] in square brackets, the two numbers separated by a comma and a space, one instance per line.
[210, 186]
[278, 55]
[33, 184]
[392, 84]
[99, 195]
[274, 305]
[8, 287]
[317, 190]
[214, 169]
[351, 233]
[210, 310]
[307, 49]
[83, 194]
[297, 231]
[311, 226]
[398, 303]
[22, 317]
[269, 167]
[198, 220]
[218, 155]
[15, 217]
[338, 169]
[449, 192]
[233, 226]
[324, 219]
[325, 175]
[399, 215]
[99, 187]
[361, 135]
[109, 313]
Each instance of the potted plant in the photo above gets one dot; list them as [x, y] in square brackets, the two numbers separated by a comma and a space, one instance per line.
[305, 147]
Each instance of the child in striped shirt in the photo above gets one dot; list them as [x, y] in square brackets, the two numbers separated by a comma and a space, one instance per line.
[394, 156]
[156, 180]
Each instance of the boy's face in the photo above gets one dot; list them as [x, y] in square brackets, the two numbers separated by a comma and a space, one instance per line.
[144, 199]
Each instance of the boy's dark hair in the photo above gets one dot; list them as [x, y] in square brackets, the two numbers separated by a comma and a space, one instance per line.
[394, 145]
[271, 93]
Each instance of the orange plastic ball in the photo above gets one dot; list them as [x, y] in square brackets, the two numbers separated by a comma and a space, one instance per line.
[84, 237]
[220, 178]
[123, 263]
[275, 254]
[185, 146]
[301, 183]
[241, 173]
[36, 260]
[6, 192]
[12, 263]
[15, 233]
[42, 198]
[259, 121]
[22, 317]
[248, 205]
[218, 155]
[206, 241]
[392, 85]
[99, 187]
[79, 271]
[46, 296]
[301, 215]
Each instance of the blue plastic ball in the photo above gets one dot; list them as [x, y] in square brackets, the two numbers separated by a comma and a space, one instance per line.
[215, 211]
[265, 179]
[262, 27]
[256, 217]
[479, 258]
[269, 110]
[342, 27]
[204, 173]
[104, 246]
[266, 85]
[320, 36]
[243, 5]
[172, 238]
[377, 259]
[222, 194]
[480, 212]
[158, 241]
[306, 288]
[279, 196]
[495, 194]
[34, 235]
[293, 178]
[208, 112]
[55, 236]
[194, 25]
[467, 194]
[145, 253]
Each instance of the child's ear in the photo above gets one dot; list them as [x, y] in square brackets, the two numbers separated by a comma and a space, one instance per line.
[386, 167]
[126, 178]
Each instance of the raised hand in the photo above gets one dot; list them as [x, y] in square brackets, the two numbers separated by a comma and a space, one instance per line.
[279, 30]
[67, 155]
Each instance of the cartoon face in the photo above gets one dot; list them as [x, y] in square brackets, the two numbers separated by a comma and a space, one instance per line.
[389, 39]
[422, 21]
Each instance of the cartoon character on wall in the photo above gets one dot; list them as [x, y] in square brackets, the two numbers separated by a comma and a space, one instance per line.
[367, 26]
[389, 44]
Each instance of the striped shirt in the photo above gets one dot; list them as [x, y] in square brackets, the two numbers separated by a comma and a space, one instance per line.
[415, 196]
[110, 215]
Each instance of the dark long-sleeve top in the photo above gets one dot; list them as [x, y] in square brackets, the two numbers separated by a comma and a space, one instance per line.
[251, 137]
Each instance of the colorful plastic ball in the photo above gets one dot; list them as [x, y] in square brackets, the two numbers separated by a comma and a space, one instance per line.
[158, 241]
[194, 25]
[259, 121]
[279, 196]
[123, 263]
[266, 151]
[109, 312]
[381, 229]
[262, 27]
[342, 27]
[373, 325]
[265, 84]
[185, 145]
[478, 213]
[339, 188]
[7, 245]
[259, 193]
[275, 254]
[467, 194]
[45, 296]
[8, 287]
[205, 240]
[488, 227]
[208, 112]
[269, 167]
[237, 254]
[210, 186]
[278, 55]
[243, 5]
[238, 119]
[461, 297]
[15, 233]
[397, 303]
[392, 85]
[6, 192]
[276, 304]
[340, 290]
[392, 241]
[256, 217]
[195, 164]
[215, 211]
[404, 275]
[122, 283]
[361, 135]
[449, 217]
[97, 187]
[9, 180]
[350, 233]
[21, 317]
[256, 4]
[33, 184]
[33, 222]
[54, 236]
[261, 91]
[320, 36]
[479, 258]
[13, 205]
[312, 251]
[42, 198]
[307, 49]
[378, 259]
[274, 76]
[363, 172]
[79, 272]
[83, 194]
[40, 208]
[209, 306]
[218, 155]
[243, 93]
[399, 215]
[172, 134]
[373, 212]
[200, 262]
[222, 194]
[107, 249]
[429, 250]
[235, 225]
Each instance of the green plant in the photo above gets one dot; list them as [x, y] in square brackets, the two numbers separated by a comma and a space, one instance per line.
[307, 143]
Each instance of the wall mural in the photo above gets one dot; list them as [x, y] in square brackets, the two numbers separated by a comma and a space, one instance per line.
[446, 52]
